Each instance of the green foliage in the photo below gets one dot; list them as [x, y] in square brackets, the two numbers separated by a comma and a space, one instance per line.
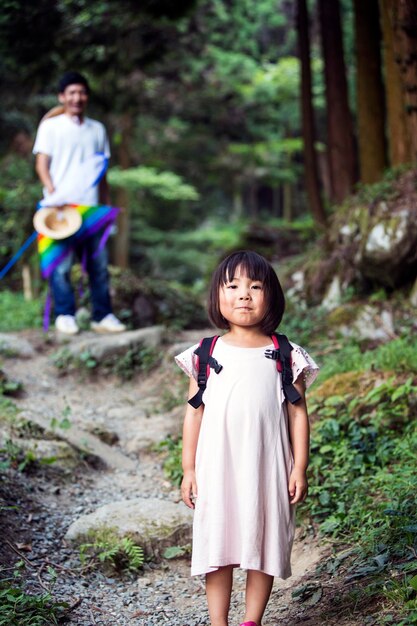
[183, 258]
[165, 185]
[19, 194]
[138, 359]
[111, 551]
[16, 313]
[19, 608]
[304, 327]
[173, 552]
[173, 461]
[384, 189]
[363, 484]
[9, 387]
[14, 456]
[399, 355]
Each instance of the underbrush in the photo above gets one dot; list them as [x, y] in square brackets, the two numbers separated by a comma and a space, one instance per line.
[19, 608]
[363, 490]
[398, 355]
[16, 313]
[137, 359]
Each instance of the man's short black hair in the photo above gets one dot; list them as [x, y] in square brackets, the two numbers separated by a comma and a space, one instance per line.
[72, 78]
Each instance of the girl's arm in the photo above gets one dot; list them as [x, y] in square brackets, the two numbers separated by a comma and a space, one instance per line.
[300, 442]
[191, 431]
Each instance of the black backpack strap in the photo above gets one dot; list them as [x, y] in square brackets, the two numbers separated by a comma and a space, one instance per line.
[283, 356]
[205, 362]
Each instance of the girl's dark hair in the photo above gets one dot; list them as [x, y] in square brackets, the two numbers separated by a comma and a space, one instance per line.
[257, 268]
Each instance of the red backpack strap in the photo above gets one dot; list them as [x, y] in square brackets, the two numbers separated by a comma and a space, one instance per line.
[282, 355]
[275, 341]
[205, 361]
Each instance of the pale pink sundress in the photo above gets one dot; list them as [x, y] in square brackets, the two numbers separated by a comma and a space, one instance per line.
[243, 516]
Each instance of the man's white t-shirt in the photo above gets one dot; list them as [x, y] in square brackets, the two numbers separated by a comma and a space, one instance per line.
[69, 144]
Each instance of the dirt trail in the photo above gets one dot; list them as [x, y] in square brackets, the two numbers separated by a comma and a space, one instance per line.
[124, 410]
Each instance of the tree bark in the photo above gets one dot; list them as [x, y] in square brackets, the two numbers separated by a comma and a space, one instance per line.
[369, 92]
[307, 114]
[340, 137]
[404, 15]
[122, 240]
[398, 138]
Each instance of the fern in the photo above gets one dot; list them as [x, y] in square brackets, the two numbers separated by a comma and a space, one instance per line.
[109, 550]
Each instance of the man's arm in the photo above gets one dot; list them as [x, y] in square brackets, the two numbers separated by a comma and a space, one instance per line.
[42, 169]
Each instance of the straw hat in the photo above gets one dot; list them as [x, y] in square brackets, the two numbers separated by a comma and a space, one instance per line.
[57, 223]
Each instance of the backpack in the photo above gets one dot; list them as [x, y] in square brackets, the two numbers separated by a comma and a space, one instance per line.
[281, 354]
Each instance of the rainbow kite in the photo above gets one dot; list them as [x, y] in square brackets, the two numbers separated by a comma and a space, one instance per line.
[52, 251]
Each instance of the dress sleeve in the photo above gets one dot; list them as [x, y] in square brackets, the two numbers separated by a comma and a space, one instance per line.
[303, 363]
[187, 361]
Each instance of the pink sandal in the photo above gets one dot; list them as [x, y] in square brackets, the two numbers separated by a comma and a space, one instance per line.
[248, 624]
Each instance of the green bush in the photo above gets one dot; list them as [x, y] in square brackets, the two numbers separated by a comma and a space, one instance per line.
[363, 487]
[16, 313]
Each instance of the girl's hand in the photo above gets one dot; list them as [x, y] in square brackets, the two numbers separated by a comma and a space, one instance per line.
[297, 486]
[189, 488]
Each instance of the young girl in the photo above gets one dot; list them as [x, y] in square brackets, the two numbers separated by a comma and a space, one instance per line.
[245, 449]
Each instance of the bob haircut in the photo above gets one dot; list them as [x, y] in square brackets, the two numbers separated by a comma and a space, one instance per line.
[257, 268]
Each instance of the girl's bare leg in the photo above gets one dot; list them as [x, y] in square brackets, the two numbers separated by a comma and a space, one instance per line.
[218, 591]
[258, 590]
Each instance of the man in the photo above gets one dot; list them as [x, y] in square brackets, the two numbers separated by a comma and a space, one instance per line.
[63, 143]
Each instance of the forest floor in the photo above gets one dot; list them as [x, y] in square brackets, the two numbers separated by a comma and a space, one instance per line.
[48, 499]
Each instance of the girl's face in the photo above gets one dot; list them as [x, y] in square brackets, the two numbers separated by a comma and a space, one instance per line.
[242, 300]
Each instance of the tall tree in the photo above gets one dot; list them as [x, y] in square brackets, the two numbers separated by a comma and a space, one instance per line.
[340, 137]
[369, 91]
[404, 17]
[398, 138]
[307, 114]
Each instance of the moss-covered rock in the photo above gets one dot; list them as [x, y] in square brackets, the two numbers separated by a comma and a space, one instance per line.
[372, 239]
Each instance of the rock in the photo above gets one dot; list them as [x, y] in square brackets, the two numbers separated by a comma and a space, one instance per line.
[371, 242]
[103, 347]
[389, 249]
[363, 322]
[152, 523]
[13, 346]
[154, 429]
[125, 412]
[63, 454]
[82, 440]
[333, 297]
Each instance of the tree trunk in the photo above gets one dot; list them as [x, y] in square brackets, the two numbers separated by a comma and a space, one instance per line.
[309, 135]
[398, 139]
[340, 138]
[237, 202]
[404, 14]
[287, 209]
[122, 239]
[369, 92]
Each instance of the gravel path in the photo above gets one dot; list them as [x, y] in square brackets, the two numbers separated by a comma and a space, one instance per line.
[163, 593]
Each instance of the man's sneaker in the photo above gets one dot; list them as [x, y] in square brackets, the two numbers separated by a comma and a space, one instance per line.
[66, 324]
[109, 324]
